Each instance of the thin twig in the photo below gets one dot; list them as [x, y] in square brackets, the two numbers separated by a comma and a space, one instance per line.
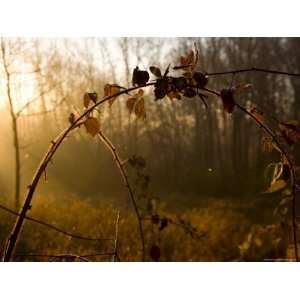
[253, 69]
[30, 102]
[45, 111]
[62, 231]
[116, 238]
[73, 256]
[98, 254]
[123, 173]
[82, 257]
[198, 235]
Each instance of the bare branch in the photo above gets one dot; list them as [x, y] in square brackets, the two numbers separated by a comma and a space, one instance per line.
[73, 257]
[253, 69]
[46, 111]
[124, 175]
[30, 102]
[62, 231]
[192, 233]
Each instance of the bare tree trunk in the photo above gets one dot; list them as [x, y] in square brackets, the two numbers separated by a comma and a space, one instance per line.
[17, 162]
[14, 118]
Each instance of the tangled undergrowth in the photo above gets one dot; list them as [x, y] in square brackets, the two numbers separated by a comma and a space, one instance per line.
[228, 232]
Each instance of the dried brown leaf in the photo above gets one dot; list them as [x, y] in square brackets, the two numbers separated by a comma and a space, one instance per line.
[289, 132]
[110, 90]
[139, 77]
[86, 100]
[276, 186]
[88, 97]
[227, 96]
[139, 109]
[92, 126]
[155, 71]
[130, 103]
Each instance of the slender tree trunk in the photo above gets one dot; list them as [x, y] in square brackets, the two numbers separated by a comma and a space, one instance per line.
[17, 162]
[14, 118]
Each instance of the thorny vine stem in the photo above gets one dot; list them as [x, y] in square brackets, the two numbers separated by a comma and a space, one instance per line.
[198, 235]
[292, 171]
[13, 238]
[121, 168]
[270, 133]
[253, 69]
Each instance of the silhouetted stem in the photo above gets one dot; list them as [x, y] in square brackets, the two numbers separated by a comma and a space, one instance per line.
[292, 171]
[123, 173]
[116, 238]
[60, 256]
[253, 69]
[193, 234]
[50, 226]
[269, 132]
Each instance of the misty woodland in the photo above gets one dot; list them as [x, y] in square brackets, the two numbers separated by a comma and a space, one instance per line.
[149, 149]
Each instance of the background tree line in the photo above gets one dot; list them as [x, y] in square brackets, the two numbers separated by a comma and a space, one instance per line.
[189, 149]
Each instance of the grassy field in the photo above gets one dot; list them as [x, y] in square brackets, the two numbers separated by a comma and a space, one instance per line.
[227, 230]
